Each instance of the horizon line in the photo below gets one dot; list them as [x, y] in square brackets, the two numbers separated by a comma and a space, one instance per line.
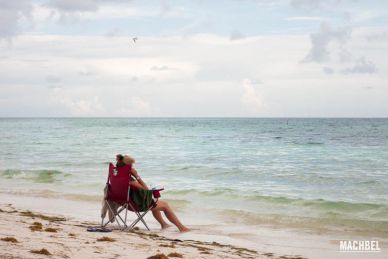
[194, 117]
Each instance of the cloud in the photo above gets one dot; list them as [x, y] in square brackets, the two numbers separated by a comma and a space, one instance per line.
[87, 73]
[141, 105]
[306, 3]
[361, 66]
[305, 18]
[320, 41]
[53, 79]
[138, 106]
[328, 70]
[12, 13]
[365, 15]
[221, 92]
[70, 10]
[160, 68]
[113, 33]
[382, 36]
[194, 26]
[250, 99]
[77, 105]
[121, 12]
[334, 47]
[69, 6]
[236, 35]
[165, 7]
[313, 4]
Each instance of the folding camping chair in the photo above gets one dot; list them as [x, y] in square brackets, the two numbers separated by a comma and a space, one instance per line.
[117, 198]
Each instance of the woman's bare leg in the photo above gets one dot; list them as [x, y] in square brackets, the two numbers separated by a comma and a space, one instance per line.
[158, 216]
[163, 206]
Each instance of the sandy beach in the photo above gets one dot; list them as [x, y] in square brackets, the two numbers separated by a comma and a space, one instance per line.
[34, 233]
[27, 234]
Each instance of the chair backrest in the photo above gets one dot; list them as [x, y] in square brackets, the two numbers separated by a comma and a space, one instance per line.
[118, 180]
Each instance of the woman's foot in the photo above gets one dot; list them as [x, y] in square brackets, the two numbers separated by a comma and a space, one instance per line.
[184, 229]
[164, 226]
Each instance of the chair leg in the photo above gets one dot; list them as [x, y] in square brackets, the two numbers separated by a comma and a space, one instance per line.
[140, 218]
[118, 223]
[118, 215]
[126, 211]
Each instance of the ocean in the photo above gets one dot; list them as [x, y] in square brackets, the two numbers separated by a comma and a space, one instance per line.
[301, 174]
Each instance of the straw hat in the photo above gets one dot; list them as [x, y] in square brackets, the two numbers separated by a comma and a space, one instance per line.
[128, 160]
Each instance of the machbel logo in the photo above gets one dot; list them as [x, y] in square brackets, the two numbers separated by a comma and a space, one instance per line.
[359, 246]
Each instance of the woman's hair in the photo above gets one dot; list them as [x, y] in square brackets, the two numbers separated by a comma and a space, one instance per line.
[128, 160]
[120, 160]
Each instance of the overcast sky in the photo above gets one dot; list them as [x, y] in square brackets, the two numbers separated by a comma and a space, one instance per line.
[260, 58]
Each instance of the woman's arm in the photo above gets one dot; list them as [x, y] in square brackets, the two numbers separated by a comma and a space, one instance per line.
[140, 181]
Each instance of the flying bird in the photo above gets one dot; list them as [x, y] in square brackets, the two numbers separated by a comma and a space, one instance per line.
[134, 39]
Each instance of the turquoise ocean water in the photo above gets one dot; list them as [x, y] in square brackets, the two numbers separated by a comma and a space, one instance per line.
[319, 174]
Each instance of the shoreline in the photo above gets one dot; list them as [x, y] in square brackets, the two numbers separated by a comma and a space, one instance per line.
[275, 240]
[31, 234]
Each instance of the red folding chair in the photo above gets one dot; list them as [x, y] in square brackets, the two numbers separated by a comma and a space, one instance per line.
[118, 193]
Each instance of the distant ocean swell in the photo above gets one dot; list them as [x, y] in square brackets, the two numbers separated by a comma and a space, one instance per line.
[52, 177]
[38, 176]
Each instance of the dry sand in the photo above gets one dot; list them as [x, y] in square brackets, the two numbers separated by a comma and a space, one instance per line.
[26, 234]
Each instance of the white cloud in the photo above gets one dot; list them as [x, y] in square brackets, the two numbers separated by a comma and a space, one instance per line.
[321, 40]
[365, 15]
[160, 68]
[202, 75]
[361, 66]
[251, 99]
[12, 13]
[313, 4]
[336, 49]
[114, 12]
[328, 70]
[236, 35]
[69, 6]
[76, 104]
[193, 27]
[305, 18]
[136, 107]
[378, 36]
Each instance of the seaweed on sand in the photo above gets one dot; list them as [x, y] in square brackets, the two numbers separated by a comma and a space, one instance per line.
[158, 256]
[174, 254]
[172, 245]
[36, 226]
[54, 230]
[10, 239]
[41, 216]
[106, 239]
[42, 251]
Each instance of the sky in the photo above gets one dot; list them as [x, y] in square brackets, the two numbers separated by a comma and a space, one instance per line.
[198, 58]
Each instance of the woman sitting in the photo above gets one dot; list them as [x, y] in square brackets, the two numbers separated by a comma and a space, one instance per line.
[137, 183]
